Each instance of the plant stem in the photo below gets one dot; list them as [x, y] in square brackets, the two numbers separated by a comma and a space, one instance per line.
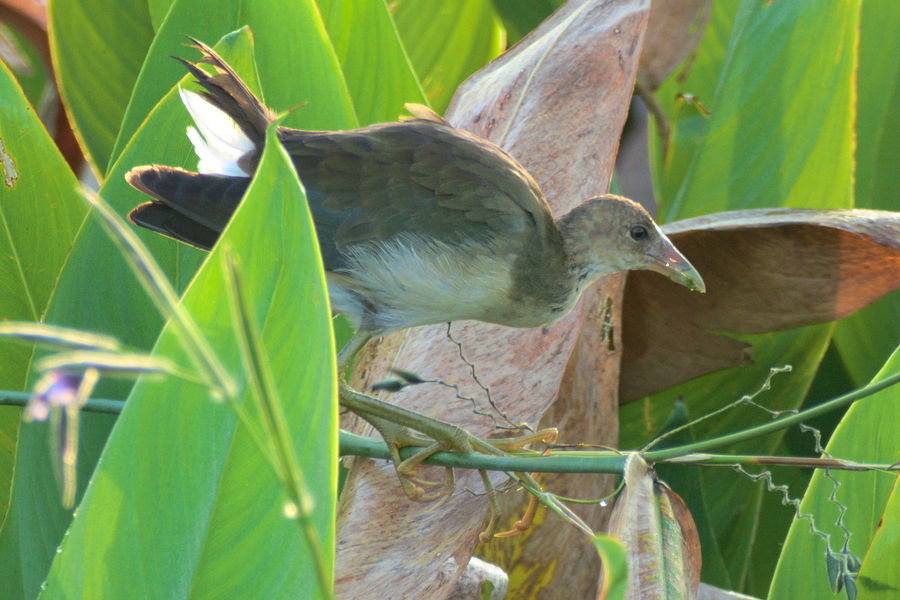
[586, 461]
[520, 462]
[775, 424]
[97, 405]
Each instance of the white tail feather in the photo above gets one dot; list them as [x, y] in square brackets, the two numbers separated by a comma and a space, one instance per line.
[217, 139]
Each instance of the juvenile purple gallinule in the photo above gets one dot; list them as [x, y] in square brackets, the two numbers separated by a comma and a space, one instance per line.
[418, 223]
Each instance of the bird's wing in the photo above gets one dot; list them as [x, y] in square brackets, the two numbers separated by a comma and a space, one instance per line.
[417, 178]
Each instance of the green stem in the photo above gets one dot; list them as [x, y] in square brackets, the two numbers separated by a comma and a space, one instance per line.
[110, 407]
[584, 461]
[568, 462]
[775, 424]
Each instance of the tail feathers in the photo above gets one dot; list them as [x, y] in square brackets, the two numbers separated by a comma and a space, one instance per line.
[191, 207]
[160, 218]
[218, 141]
[231, 121]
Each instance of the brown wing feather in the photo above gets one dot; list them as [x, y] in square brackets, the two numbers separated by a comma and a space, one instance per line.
[421, 177]
[418, 177]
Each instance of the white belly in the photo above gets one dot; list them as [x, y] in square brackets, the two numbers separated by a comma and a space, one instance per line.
[409, 282]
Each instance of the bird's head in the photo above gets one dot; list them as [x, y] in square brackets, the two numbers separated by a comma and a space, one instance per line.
[611, 233]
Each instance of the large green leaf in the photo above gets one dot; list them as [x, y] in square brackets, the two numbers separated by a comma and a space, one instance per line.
[98, 299]
[447, 42]
[862, 339]
[294, 56]
[9, 434]
[83, 290]
[867, 433]
[880, 561]
[189, 507]
[40, 215]
[779, 134]
[687, 122]
[158, 10]
[878, 124]
[98, 47]
[374, 62]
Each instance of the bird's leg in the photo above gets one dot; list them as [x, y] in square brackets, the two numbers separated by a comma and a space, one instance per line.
[524, 523]
[398, 436]
[493, 506]
[401, 428]
[548, 435]
[450, 436]
[351, 349]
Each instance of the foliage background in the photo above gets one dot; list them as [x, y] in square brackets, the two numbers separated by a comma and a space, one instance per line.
[179, 504]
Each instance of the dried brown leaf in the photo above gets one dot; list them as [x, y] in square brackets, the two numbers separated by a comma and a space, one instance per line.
[659, 536]
[557, 101]
[765, 270]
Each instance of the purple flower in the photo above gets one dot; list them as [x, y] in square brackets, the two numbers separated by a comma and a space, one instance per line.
[53, 390]
[58, 396]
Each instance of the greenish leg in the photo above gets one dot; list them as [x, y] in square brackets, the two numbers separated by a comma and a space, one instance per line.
[402, 428]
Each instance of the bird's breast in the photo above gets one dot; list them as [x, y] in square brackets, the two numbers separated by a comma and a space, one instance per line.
[409, 281]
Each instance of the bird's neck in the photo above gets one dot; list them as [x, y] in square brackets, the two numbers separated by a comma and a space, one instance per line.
[579, 248]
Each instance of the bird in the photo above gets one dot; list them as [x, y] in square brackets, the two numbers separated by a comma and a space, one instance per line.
[418, 223]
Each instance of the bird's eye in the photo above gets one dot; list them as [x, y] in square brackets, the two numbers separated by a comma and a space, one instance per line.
[638, 233]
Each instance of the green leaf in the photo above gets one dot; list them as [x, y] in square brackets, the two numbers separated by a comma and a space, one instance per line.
[27, 64]
[36, 521]
[878, 124]
[98, 47]
[862, 339]
[879, 579]
[521, 16]
[733, 510]
[223, 511]
[158, 11]
[294, 56]
[697, 79]
[447, 42]
[779, 134]
[40, 215]
[10, 418]
[375, 65]
[615, 567]
[106, 299]
[865, 434]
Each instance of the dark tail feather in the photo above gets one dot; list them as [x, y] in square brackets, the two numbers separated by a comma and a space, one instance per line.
[226, 91]
[191, 207]
[160, 218]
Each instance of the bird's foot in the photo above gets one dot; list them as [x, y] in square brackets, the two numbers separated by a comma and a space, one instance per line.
[399, 436]
[522, 524]
[403, 428]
